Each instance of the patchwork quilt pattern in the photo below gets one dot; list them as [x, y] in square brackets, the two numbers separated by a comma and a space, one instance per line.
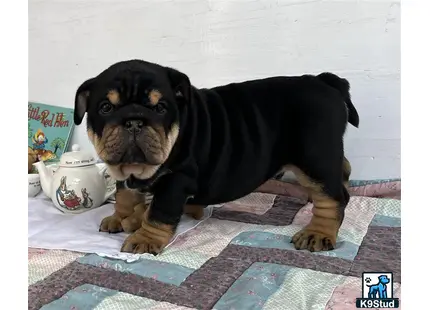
[240, 258]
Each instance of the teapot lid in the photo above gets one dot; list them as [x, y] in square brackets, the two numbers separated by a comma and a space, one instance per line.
[77, 158]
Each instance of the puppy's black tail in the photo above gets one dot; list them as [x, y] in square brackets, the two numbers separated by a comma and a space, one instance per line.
[342, 85]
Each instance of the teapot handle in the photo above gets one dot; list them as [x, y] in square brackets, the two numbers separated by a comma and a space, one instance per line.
[112, 191]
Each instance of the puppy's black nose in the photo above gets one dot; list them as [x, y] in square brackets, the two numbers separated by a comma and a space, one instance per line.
[134, 126]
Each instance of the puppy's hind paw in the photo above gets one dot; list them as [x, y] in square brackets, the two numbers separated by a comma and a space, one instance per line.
[313, 241]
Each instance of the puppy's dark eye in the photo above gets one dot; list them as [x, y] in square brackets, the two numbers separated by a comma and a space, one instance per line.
[106, 108]
[160, 109]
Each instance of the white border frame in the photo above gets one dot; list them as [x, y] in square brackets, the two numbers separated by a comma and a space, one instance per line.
[415, 150]
[14, 75]
[415, 147]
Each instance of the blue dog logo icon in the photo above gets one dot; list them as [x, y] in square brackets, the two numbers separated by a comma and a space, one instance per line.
[378, 290]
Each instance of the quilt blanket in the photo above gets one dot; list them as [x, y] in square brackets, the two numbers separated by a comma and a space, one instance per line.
[240, 258]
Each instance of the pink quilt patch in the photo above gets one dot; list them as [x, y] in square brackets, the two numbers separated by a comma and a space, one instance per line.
[33, 252]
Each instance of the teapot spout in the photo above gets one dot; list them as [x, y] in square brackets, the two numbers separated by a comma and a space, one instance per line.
[45, 177]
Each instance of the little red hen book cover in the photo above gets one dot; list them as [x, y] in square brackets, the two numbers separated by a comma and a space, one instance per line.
[49, 130]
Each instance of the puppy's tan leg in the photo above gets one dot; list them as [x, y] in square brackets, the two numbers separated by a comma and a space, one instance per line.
[321, 233]
[126, 201]
[346, 172]
[134, 222]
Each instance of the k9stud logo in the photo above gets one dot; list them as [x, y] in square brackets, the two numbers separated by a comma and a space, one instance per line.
[377, 291]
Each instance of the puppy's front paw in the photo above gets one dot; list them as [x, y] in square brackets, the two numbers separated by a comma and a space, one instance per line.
[150, 238]
[111, 224]
[309, 239]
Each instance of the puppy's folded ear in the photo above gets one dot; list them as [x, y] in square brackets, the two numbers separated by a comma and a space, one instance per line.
[180, 84]
[81, 100]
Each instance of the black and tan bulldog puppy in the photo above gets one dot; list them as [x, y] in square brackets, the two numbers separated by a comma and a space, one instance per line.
[191, 147]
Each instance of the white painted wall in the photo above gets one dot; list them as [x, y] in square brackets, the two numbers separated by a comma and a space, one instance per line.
[217, 42]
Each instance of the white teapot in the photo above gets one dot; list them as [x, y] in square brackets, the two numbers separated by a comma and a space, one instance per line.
[78, 184]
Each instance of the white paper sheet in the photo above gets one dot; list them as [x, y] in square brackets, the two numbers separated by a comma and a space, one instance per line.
[49, 228]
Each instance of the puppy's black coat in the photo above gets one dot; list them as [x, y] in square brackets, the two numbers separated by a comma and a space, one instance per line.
[235, 137]
[240, 135]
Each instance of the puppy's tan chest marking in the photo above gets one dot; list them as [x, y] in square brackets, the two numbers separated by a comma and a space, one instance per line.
[113, 97]
[154, 96]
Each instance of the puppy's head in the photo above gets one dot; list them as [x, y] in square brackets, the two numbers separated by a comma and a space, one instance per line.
[133, 112]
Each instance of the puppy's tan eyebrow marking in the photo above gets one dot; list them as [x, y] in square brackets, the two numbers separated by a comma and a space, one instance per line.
[113, 96]
[154, 96]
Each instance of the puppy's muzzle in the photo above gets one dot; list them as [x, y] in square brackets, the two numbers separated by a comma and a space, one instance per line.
[134, 155]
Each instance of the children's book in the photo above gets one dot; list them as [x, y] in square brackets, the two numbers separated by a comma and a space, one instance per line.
[49, 130]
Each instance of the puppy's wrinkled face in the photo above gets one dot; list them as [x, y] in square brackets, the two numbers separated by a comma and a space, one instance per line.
[133, 112]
